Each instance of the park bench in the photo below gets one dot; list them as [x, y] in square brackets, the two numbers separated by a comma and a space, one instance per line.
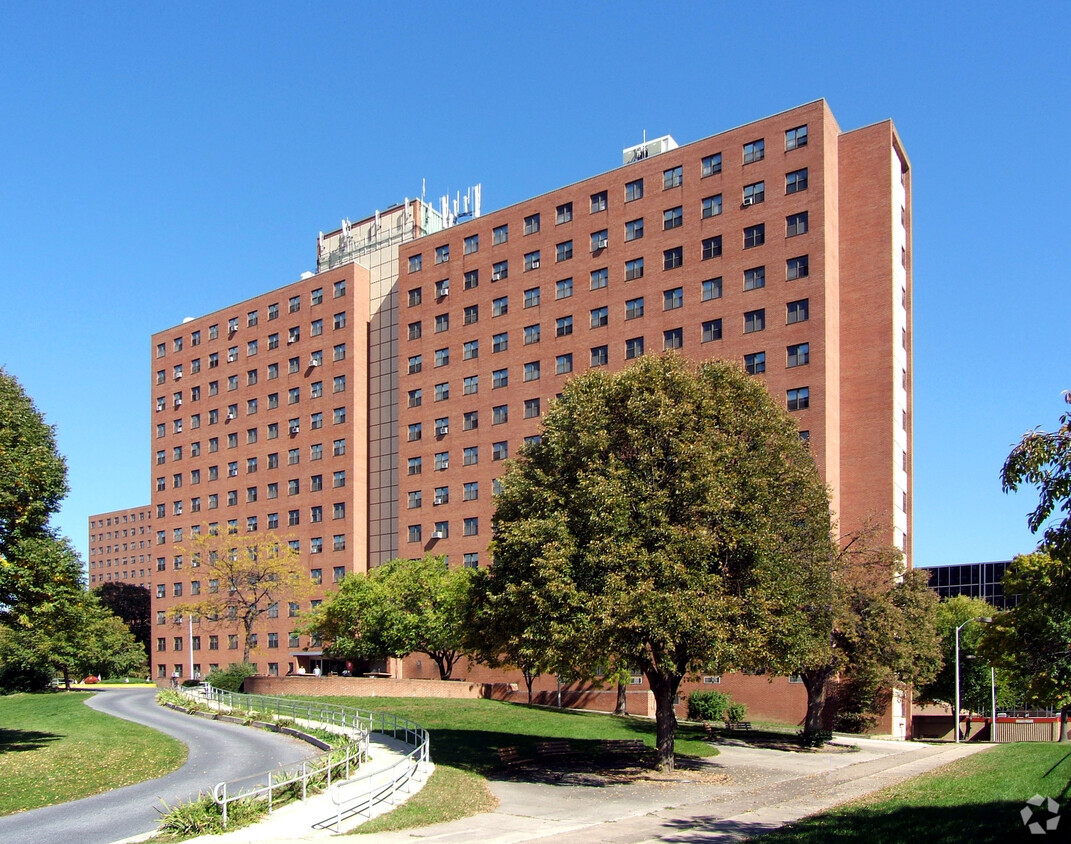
[559, 747]
[738, 725]
[623, 746]
[510, 756]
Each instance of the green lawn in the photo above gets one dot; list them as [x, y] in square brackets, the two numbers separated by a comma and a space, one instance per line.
[976, 799]
[54, 748]
[466, 736]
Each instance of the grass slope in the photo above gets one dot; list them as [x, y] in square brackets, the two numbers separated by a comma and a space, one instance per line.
[54, 748]
[467, 734]
[976, 799]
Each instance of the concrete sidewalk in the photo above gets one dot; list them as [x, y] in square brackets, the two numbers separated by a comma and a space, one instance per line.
[315, 819]
[763, 789]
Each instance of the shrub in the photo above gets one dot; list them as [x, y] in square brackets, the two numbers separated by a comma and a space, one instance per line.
[707, 706]
[814, 738]
[189, 684]
[18, 677]
[230, 679]
[735, 712]
[204, 816]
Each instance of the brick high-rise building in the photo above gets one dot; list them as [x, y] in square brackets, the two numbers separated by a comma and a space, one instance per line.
[366, 411]
[121, 547]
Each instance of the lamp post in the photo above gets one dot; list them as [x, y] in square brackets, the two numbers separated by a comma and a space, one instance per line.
[981, 620]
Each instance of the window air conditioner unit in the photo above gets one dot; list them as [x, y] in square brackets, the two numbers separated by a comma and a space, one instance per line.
[442, 429]
[439, 499]
[437, 535]
[749, 200]
[178, 376]
[294, 429]
[496, 276]
[230, 416]
[290, 341]
[444, 291]
[535, 265]
[314, 362]
[178, 402]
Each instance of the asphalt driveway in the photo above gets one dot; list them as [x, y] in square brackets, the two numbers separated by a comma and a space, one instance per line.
[216, 752]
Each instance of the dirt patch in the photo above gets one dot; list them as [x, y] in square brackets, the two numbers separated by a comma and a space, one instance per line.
[602, 772]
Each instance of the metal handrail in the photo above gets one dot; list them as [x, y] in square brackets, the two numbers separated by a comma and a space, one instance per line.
[341, 719]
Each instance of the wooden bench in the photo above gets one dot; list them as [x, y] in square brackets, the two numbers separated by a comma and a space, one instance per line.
[510, 756]
[559, 747]
[623, 746]
[738, 725]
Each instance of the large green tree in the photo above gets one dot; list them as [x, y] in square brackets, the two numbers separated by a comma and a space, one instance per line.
[1043, 459]
[1031, 642]
[399, 608]
[658, 523]
[35, 565]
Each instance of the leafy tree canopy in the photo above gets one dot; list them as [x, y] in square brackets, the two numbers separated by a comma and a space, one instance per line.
[399, 608]
[658, 523]
[132, 604]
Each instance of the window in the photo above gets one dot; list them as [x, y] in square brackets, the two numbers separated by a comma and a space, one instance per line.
[500, 234]
[531, 334]
[712, 206]
[472, 279]
[754, 151]
[339, 320]
[634, 229]
[564, 251]
[798, 311]
[634, 190]
[672, 338]
[470, 421]
[472, 244]
[797, 268]
[563, 326]
[414, 330]
[531, 371]
[672, 258]
[416, 500]
[563, 289]
[339, 352]
[755, 363]
[673, 218]
[414, 465]
[471, 491]
[316, 420]
[796, 138]
[712, 247]
[563, 364]
[531, 261]
[754, 236]
[634, 269]
[712, 289]
[499, 451]
[471, 385]
[531, 224]
[711, 330]
[415, 397]
[500, 306]
[673, 178]
[470, 350]
[499, 378]
[633, 348]
[799, 399]
[442, 391]
[600, 316]
[754, 194]
[293, 396]
[531, 297]
[415, 297]
[316, 451]
[673, 299]
[796, 224]
[415, 364]
[442, 357]
[414, 533]
[442, 461]
[799, 355]
[472, 526]
[563, 213]
[442, 253]
[634, 308]
[754, 278]
[340, 288]
[600, 278]
[796, 181]
[531, 408]
[754, 321]
[442, 495]
[598, 202]
[500, 414]
[442, 323]
[470, 456]
[599, 240]
[442, 288]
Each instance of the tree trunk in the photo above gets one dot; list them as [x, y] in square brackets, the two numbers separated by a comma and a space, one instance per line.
[529, 678]
[622, 707]
[664, 688]
[444, 660]
[815, 683]
[1063, 723]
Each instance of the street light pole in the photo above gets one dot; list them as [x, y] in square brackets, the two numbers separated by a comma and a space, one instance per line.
[982, 620]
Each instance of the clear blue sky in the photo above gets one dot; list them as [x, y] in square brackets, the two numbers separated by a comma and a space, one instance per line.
[160, 160]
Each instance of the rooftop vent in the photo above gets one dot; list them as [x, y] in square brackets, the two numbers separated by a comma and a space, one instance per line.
[647, 149]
